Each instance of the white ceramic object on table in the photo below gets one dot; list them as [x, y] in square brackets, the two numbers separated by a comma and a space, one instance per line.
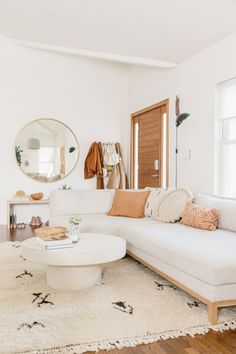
[74, 233]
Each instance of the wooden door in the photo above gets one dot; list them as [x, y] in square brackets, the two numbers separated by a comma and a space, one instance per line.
[149, 143]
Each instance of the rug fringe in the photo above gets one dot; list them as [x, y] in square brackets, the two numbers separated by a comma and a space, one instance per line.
[133, 342]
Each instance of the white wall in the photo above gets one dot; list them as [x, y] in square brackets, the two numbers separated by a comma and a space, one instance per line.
[195, 82]
[89, 96]
[148, 86]
[95, 98]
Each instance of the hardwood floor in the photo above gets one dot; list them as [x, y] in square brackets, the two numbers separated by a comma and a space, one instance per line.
[211, 343]
[15, 234]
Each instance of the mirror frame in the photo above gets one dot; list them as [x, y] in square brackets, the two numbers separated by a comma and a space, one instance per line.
[65, 125]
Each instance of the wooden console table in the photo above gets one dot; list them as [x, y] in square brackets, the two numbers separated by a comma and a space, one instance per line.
[12, 203]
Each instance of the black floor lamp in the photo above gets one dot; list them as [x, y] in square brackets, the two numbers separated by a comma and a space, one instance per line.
[179, 120]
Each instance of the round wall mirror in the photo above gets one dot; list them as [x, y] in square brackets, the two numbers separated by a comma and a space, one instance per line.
[46, 150]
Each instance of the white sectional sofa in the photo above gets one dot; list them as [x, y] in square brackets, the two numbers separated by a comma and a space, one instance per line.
[202, 263]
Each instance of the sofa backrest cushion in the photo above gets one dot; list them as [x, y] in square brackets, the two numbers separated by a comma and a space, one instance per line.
[226, 210]
[78, 202]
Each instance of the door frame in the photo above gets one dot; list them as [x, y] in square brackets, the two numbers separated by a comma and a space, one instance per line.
[134, 118]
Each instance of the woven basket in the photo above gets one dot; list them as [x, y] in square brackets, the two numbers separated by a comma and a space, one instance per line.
[50, 231]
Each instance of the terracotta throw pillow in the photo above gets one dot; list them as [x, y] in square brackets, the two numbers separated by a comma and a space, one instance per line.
[130, 204]
[202, 218]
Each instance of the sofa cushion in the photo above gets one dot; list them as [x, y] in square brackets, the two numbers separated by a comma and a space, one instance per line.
[130, 204]
[171, 204]
[95, 223]
[202, 218]
[197, 252]
[226, 210]
[79, 202]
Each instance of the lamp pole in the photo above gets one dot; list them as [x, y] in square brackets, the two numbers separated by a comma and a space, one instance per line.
[176, 156]
[178, 122]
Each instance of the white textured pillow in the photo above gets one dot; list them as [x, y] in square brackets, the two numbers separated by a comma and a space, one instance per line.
[152, 202]
[172, 203]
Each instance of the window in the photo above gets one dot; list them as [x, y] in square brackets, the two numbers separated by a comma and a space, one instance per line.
[226, 139]
[46, 161]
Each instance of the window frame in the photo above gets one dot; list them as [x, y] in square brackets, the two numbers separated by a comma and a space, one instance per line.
[222, 187]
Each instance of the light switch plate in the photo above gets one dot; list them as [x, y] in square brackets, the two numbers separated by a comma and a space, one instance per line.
[186, 154]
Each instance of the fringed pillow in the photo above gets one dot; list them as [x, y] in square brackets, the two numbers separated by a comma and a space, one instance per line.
[172, 203]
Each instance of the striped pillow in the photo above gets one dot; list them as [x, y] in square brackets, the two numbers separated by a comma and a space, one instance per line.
[202, 218]
[153, 201]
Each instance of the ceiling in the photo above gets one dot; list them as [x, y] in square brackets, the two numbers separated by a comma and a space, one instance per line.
[158, 32]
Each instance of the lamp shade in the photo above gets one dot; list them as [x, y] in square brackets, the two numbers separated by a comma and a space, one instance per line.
[33, 144]
[181, 118]
[72, 149]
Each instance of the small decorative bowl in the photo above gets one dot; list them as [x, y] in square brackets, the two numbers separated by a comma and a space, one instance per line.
[36, 196]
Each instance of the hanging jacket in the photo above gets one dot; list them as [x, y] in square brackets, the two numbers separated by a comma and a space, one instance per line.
[118, 178]
[93, 165]
[110, 155]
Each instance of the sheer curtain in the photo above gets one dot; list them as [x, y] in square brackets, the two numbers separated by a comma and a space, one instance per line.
[226, 138]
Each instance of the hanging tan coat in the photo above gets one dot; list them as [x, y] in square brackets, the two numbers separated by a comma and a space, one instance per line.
[118, 178]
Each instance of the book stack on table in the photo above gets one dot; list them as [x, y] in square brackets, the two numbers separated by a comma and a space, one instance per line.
[53, 238]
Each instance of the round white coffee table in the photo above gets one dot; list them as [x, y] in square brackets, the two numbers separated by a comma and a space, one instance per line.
[78, 267]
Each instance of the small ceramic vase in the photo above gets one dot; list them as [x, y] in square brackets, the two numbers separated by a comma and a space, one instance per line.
[74, 232]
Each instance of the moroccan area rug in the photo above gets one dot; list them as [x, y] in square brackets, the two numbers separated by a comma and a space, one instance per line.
[131, 306]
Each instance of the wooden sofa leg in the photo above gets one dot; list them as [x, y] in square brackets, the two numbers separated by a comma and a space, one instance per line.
[212, 313]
